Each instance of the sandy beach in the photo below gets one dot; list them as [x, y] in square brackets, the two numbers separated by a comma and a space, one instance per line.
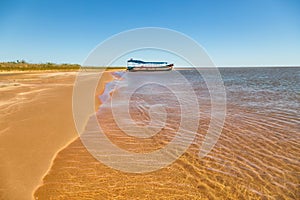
[42, 157]
[149, 100]
[256, 156]
[36, 123]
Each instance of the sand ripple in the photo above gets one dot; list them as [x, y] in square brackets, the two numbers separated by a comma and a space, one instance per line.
[256, 157]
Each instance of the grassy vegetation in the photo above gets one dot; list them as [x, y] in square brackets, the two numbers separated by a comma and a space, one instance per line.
[24, 66]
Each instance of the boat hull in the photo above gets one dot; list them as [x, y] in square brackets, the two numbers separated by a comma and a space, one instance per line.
[144, 68]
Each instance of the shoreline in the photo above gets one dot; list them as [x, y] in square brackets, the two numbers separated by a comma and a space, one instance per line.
[42, 156]
[51, 164]
[33, 126]
[35, 120]
[108, 78]
[254, 150]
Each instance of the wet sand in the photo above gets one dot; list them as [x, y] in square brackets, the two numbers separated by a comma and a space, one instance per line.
[36, 123]
[256, 157]
[254, 160]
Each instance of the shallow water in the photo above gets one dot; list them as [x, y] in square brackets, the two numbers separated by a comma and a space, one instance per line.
[256, 156]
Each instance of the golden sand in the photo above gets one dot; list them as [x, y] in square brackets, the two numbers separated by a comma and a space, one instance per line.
[256, 157]
[36, 122]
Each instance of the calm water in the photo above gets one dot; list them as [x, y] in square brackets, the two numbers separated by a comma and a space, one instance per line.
[256, 156]
[264, 89]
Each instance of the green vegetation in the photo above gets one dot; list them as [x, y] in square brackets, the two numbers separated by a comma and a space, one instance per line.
[24, 66]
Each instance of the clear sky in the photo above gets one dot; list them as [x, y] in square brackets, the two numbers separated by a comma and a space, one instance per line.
[233, 32]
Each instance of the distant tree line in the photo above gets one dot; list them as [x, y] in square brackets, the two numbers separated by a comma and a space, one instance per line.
[22, 65]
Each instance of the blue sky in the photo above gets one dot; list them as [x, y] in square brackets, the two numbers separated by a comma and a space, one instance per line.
[234, 33]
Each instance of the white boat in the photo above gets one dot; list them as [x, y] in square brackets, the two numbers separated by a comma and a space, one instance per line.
[139, 65]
